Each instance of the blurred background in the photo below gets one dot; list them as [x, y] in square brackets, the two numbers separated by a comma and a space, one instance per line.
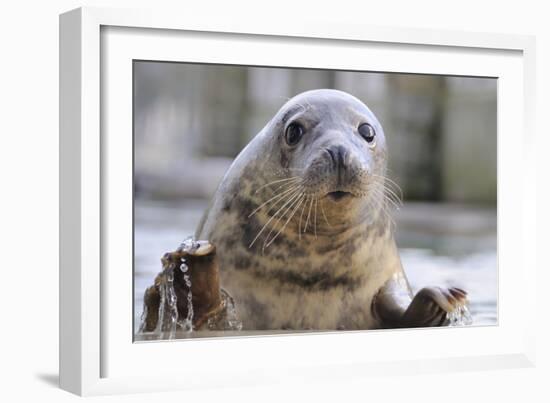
[191, 120]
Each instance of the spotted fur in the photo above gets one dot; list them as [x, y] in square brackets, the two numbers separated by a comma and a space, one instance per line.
[326, 276]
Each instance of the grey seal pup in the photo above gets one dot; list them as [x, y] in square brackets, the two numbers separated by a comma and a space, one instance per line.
[301, 222]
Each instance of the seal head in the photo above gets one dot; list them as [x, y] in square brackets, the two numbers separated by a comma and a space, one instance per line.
[335, 148]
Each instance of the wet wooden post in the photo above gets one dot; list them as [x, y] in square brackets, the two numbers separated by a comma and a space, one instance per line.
[192, 268]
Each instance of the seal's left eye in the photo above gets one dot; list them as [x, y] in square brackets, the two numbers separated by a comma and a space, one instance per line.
[367, 132]
[294, 133]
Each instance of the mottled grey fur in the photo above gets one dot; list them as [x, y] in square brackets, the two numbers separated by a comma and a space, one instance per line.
[327, 276]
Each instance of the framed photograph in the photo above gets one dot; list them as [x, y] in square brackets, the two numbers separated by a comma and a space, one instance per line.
[246, 194]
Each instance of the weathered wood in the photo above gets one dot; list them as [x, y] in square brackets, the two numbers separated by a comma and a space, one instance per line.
[189, 269]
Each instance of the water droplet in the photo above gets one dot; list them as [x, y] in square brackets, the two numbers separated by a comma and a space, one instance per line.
[460, 316]
[168, 320]
[187, 324]
[189, 245]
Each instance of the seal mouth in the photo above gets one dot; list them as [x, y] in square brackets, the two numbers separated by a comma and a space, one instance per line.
[338, 195]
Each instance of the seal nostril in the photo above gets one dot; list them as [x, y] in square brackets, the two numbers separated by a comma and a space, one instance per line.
[338, 155]
[342, 155]
[333, 158]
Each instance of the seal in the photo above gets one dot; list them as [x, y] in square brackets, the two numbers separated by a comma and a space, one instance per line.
[303, 229]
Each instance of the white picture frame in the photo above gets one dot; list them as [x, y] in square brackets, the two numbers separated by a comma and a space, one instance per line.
[97, 355]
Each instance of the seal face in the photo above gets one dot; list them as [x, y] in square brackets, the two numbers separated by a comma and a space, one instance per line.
[301, 220]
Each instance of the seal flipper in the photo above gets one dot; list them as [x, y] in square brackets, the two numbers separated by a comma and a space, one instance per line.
[428, 308]
[431, 305]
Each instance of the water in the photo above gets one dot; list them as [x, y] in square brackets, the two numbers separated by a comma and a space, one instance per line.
[168, 312]
[168, 320]
[169, 325]
[188, 245]
[187, 324]
[461, 316]
[439, 245]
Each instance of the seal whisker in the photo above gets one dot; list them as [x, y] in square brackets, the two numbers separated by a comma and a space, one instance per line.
[395, 204]
[300, 200]
[294, 178]
[277, 196]
[392, 183]
[315, 219]
[380, 199]
[294, 199]
[382, 203]
[371, 206]
[386, 211]
[389, 217]
[391, 203]
[389, 183]
[392, 195]
[382, 194]
[308, 214]
[301, 215]
[293, 183]
[394, 186]
[272, 217]
[324, 215]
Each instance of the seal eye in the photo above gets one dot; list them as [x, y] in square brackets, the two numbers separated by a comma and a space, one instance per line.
[367, 132]
[293, 133]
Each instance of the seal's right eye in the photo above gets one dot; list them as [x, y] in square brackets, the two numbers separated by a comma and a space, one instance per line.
[294, 133]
